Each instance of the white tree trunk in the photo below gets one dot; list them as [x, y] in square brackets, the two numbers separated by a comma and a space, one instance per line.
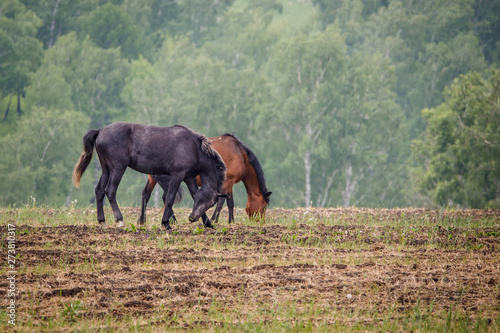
[349, 186]
[307, 167]
[321, 202]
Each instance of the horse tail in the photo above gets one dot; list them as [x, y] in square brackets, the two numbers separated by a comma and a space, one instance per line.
[84, 160]
[178, 195]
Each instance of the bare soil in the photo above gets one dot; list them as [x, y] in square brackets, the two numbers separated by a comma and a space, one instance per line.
[344, 260]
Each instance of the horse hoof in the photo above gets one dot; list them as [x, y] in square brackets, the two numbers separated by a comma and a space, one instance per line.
[103, 224]
[167, 226]
[209, 225]
[120, 224]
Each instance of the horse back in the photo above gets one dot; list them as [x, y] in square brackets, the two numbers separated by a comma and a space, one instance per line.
[149, 149]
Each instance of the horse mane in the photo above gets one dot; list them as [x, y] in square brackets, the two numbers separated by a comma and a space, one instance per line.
[252, 158]
[213, 154]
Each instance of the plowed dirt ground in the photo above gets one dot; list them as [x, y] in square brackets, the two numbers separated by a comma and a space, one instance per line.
[317, 270]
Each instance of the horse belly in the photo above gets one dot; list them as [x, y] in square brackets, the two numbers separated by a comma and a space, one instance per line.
[161, 161]
[153, 164]
[149, 169]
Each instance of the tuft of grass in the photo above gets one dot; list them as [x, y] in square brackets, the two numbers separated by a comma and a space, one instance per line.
[73, 310]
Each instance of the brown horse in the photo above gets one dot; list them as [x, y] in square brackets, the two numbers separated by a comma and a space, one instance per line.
[242, 165]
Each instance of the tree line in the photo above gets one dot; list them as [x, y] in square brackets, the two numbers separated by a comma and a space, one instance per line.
[368, 103]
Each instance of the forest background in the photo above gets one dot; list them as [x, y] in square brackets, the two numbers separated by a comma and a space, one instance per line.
[368, 103]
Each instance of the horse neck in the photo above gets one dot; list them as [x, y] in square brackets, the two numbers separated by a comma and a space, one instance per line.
[208, 174]
[252, 185]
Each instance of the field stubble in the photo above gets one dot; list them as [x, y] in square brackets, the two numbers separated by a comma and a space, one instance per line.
[303, 269]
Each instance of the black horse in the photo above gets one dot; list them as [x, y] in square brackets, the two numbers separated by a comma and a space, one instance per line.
[176, 151]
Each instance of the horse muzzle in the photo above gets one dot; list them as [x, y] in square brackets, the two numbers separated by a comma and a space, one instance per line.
[193, 218]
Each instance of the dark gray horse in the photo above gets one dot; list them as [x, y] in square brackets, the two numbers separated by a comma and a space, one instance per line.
[176, 151]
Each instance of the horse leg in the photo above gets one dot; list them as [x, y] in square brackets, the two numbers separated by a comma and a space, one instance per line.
[164, 200]
[100, 192]
[114, 180]
[164, 184]
[218, 208]
[193, 187]
[146, 194]
[175, 182]
[230, 207]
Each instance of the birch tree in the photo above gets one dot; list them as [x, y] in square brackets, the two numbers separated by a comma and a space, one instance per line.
[338, 118]
[306, 70]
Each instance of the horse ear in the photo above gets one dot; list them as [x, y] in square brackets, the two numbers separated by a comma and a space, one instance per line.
[268, 194]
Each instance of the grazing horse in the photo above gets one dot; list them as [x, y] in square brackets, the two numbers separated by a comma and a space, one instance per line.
[176, 151]
[242, 165]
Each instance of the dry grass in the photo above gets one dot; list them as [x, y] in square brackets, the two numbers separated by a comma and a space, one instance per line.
[313, 270]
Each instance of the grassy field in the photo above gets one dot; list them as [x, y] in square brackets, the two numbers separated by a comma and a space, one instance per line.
[302, 270]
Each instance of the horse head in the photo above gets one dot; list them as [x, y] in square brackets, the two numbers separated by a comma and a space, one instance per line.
[204, 199]
[256, 207]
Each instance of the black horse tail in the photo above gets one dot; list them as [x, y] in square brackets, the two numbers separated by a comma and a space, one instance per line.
[84, 160]
[178, 195]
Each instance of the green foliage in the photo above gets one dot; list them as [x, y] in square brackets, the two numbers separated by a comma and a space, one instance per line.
[246, 38]
[57, 17]
[328, 94]
[198, 17]
[20, 51]
[109, 27]
[90, 76]
[487, 27]
[37, 160]
[458, 156]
